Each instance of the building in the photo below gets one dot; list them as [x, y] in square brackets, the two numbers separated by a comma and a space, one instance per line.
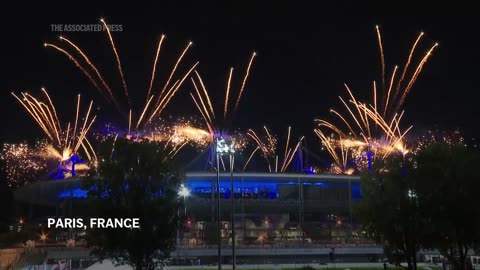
[277, 215]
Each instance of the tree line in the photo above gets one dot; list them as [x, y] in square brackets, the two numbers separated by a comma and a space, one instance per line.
[425, 200]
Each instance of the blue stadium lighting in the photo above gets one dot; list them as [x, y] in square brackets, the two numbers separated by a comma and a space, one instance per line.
[266, 188]
[269, 190]
[310, 170]
[74, 193]
[74, 159]
[369, 157]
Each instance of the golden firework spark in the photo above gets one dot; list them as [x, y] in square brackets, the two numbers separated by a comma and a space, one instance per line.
[338, 150]
[92, 66]
[63, 142]
[245, 80]
[154, 68]
[117, 58]
[382, 57]
[372, 127]
[398, 98]
[268, 146]
[227, 92]
[175, 133]
[22, 163]
[203, 103]
[155, 102]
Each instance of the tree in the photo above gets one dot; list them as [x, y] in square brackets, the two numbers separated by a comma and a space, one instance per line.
[6, 200]
[134, 181]
[389, 210]
[448, 191]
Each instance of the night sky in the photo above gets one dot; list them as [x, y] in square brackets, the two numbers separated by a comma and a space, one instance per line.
[304, 55]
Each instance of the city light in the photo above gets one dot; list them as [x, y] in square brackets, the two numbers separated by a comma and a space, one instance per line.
[43, 236]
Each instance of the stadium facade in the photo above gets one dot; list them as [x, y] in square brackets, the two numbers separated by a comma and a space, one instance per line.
[305, 215]
[271, 208]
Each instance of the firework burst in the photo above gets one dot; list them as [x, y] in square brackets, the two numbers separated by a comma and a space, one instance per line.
[178, 133]
[203, 102]
[22, 163]
[267, 144]
[372, 128]
[172, 132]
[422, 141]
[63, 141]
[216, 121]
[157, 98]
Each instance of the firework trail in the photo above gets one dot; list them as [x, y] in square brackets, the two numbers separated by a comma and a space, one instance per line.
[337, 150]
[155, 65]
[244, 81]
[408, 63]
[382, 57]
[389, 91]
[156, 100]
[77, 64]
[174, 69]
[117, 58]
[227, 93]
[387, 136]
[171, 93]
[203, 102]
[143, 113]
[372, 127]
[251, 155]
[63, 143]
[268, 146]
[417, 72]
[92, 66]
[399, 96]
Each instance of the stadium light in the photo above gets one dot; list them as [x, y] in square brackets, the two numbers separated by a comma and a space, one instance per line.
[183, 191]
[225, 147]
[412, 194]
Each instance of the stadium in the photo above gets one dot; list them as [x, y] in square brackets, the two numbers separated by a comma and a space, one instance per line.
[278, 216]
